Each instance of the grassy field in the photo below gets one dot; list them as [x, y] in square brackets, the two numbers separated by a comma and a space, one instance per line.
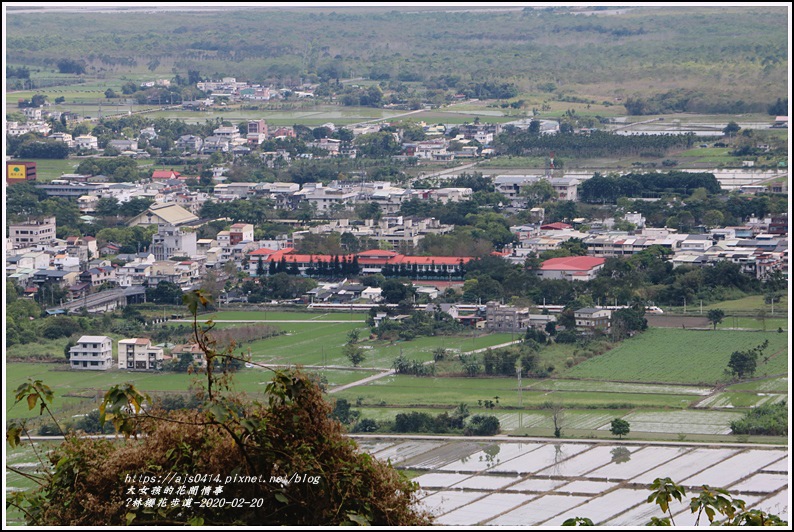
[67, 385]
[750, 303]
[681, 356]
[410, 391]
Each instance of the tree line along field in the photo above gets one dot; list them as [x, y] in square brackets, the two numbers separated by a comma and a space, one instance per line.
[682, 357]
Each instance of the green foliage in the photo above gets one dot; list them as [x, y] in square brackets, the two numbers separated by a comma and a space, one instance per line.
[59, 327]
[578, 521]
[344, 413]
[768, 419]
[611, 187]
[42, 149]
[619, 427]
[421, 422]
[716, 316]
[744, 363]
[480, 425]
[500, 361]
[354, 354]
[165, 293]
[663, 491]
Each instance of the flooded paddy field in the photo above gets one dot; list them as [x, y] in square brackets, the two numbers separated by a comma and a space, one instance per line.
[469, 482]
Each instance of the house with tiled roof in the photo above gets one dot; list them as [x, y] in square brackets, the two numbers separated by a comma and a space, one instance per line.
[165, 174]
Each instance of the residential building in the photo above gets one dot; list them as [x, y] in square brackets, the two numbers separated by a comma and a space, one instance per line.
[35, 260]
[99, 276]
[199, 359]
[87, 204]
[138, 354]
[589, 318]
[505, 318]
[233, 191]
[124, 145]
[32, 233]
[324, 198]
[230, 133]
[86, 142]
[92, 353]
[216, 143]
[66, 138]
[257, 131]
[241, 232]
[189, 144]
[134, 273]
[445, 195]
[171, 241]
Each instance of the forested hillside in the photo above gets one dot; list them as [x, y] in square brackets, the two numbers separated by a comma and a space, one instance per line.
[718, 59]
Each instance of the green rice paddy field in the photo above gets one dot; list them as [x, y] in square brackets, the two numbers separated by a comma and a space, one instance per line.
[409, 391]
[681, 357]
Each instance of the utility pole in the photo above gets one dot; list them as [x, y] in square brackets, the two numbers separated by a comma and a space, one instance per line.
[520, 408]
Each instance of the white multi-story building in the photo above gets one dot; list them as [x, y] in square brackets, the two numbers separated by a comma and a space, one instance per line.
[138, 354]
[32, 233]
[170, 241]
[92, 352]
[86, 142]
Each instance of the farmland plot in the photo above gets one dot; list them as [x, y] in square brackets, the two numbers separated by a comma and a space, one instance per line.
[778, 384]
[686, 421]
[681, 356]
[619, 387]
[740, 400]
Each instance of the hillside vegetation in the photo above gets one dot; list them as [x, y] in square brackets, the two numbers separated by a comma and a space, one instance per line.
[717, 59]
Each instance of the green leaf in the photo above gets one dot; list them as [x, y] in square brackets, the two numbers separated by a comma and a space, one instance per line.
[219, 412]
[280, 497]
[130, 517]
[196, 521]
[358, 519]
[12, 434]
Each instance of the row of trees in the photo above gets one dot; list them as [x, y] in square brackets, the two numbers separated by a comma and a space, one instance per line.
[609, 188]
[596, 144]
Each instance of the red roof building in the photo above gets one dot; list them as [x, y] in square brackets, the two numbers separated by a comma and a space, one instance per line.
[369, 262]
[571, 268]
[556, 226]
[165, 174]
